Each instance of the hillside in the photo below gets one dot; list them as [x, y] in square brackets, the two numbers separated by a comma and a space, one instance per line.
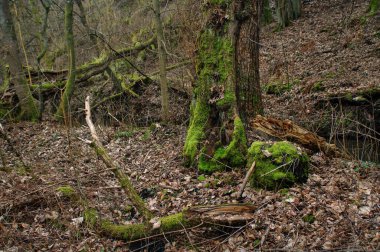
[321, 72]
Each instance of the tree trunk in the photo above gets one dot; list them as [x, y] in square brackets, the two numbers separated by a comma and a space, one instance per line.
[64, 106]
[216, 136]
[11, 53]
[287, 10]
[162, 62]
[266, 15]
[246, 44]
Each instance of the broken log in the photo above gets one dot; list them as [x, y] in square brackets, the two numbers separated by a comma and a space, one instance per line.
[229, 215]
[288, 130]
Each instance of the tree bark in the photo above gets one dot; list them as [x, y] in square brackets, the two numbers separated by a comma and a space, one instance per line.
[288, 10]
[247, 46]
[64, 106]
[162, 62]
[216, 136]
[43, 35]
[11, 53]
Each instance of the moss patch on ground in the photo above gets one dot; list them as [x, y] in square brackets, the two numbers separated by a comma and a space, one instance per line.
[278, 165]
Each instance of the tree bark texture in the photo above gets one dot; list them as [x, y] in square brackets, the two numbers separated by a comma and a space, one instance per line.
[246, 48]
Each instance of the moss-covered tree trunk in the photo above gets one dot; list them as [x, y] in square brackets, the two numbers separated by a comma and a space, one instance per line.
[216, 137]
[64, 106]
[10, 53]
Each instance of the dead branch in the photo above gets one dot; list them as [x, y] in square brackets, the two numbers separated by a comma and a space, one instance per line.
[124, 180]
[249, 173]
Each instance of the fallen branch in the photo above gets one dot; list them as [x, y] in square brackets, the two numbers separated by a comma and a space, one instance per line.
[249, 173]
[124, 180]
[287, 130]
[94, 67]
[232, 215]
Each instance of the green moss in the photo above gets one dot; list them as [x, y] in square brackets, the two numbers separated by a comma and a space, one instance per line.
[173, 222]
[90, 216]
[276, 88]
[136, 231]
[227, 101]
[126, 134]
[318, 86]
[201, 178]
[67, 191]
[95, 62]
[127, 232]
[373, 7]
[196, 131]
[309, 218]
[278, 165]
[233, 155]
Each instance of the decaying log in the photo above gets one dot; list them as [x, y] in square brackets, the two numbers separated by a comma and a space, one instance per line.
[287, 130]
[231, 215]
[94, 67]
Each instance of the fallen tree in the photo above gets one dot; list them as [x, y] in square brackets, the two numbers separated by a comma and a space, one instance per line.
[92, 68]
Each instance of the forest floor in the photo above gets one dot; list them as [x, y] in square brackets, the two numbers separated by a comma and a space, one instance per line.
[338, 208]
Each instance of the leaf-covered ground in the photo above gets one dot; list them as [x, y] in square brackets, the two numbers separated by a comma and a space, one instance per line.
[333, 44]
[337, 208]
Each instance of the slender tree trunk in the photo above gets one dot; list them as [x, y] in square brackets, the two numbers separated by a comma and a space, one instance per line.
[246, 65]
[266, 13]
[162, 62]
[64, 106]
[288, 10]
[11, 54]
[43, 35]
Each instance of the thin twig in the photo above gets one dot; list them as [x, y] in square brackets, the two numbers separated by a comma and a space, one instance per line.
[249, 173]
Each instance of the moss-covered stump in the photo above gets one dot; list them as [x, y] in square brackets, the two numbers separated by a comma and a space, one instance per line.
[278, 165]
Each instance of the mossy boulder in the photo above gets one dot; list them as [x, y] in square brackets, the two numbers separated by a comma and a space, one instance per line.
[278, 165]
